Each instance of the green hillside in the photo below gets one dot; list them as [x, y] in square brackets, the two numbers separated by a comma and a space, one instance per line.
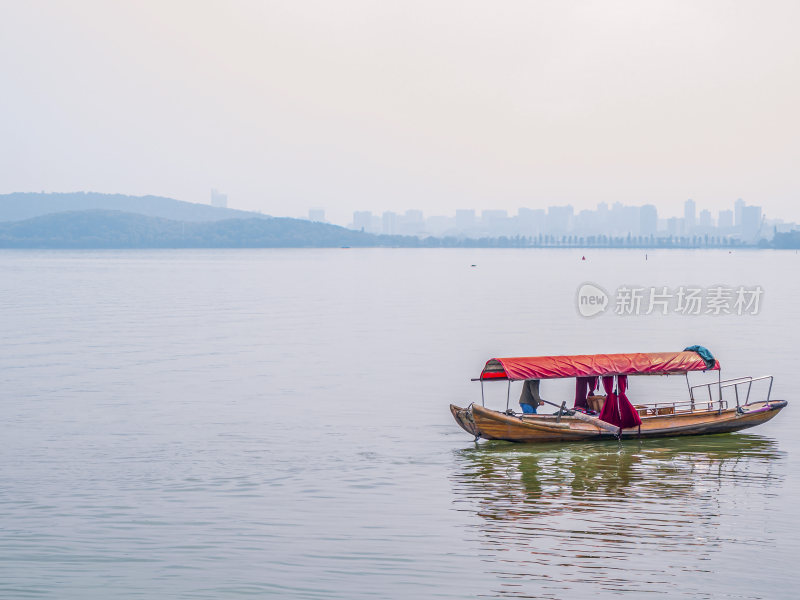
[19, 206]
[115, 229]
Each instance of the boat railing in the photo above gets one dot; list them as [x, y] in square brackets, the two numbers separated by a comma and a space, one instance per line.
[735, 383]
[686, 406]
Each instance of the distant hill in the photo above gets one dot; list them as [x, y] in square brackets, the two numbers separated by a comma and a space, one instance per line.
[116, 229]
[19, 206]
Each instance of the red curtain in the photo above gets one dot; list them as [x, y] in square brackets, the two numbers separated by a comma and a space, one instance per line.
[583, 387]
[630, 416]
[581, 391]
[609, 411]
[617, 409]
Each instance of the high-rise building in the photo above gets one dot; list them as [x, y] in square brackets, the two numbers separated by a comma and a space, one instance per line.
[437, 225]
[494, 222]
[362, 220]
[725, 220]
[675, 226]
[530, 221]
[411, 223]
[751, 223]
[219, 199]
[602, 218]
[689, 208]
[705, 220]
[559, 219]
[465, 219]
[738, 206]
[414, 216]
[316, 214]
[493, 215]
[648, 220]
[624, 219]
[584, 222]
[389, 223]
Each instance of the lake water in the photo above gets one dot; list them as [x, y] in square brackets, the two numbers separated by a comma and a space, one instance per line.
[257, 423]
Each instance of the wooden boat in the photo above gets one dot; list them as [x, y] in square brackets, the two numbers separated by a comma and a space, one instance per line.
[701, 414]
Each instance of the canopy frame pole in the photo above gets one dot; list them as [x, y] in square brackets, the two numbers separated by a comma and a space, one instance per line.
[483, 400]
[691, 393]
[508, 395]
[735, 389]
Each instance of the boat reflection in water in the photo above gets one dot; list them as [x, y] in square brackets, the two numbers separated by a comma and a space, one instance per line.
[567, 520]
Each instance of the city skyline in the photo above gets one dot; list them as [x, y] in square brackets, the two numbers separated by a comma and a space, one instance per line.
[742, 221]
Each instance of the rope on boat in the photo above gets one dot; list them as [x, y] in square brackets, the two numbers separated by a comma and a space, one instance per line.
[468, 416]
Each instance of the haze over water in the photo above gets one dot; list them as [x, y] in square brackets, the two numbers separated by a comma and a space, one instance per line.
[274, 423]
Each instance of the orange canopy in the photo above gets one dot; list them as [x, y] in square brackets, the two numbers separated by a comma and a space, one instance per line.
[553, 367]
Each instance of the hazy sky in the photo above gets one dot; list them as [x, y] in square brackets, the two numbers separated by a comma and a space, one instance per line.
[381, 105]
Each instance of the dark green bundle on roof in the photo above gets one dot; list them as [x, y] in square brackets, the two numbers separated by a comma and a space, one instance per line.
[704, 353]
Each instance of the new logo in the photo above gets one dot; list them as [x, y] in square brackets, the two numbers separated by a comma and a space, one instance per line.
[592, 300]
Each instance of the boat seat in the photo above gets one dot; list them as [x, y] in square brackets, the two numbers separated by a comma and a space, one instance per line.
[595, 403]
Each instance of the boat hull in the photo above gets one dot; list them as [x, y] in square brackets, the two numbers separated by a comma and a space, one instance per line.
[493, 425]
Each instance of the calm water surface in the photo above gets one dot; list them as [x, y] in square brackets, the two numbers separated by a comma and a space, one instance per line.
[225, 424]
